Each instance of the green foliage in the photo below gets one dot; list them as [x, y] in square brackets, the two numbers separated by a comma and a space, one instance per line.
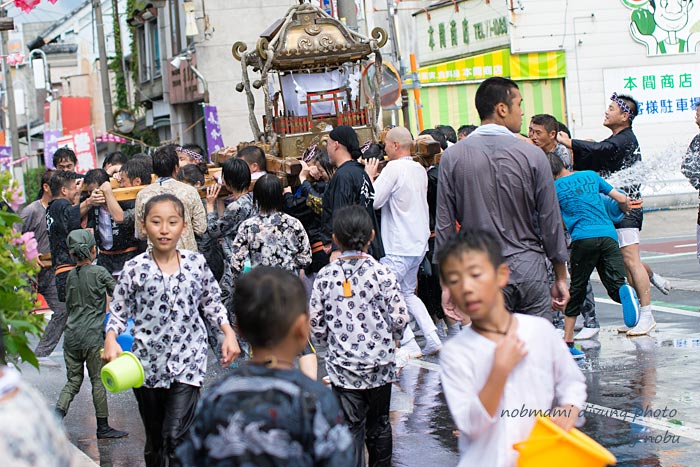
[148, 135]
[116, 64]
[17, 265]
[131, 6]
[32, 182]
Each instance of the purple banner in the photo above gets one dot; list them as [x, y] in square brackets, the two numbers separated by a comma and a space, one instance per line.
[50, 146]
[214, 139]
[5, 158]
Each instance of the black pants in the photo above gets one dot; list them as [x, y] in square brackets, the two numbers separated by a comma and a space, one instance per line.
[367, 415]
[602, 254]
[167, 415]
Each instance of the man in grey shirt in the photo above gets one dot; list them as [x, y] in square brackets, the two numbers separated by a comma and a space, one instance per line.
[496, 182]
[34, 217]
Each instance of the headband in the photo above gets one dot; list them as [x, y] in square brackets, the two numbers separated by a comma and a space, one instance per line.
[309, 153]
[623, 105]
[365, 146]
[191, 154]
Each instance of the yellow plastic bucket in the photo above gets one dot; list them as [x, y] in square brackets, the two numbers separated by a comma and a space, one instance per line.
[122, 373]
[550, 446]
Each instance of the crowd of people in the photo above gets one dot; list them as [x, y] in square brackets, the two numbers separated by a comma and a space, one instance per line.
[476, 249]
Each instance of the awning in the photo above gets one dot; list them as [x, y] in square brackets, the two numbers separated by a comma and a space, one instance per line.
[539, 65]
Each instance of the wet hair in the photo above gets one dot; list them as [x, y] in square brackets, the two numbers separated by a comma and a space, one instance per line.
[137, 168]
[191, 174]
[549, 123]
[164, 198]
[466, 130]
[268, 194]
[63, 154]
[96, 176]
[321, 159]
[254, 155]
[449, 133]
[236, 174]
[165, 161]
[468, 241]
[634, 108]
[115, 158]
[374, 151]
[564, 128]
[46, 178]
[146, 160]
[352, 227]
[436, 135]
[555, 163]
[61, 179]
[268, 301]
[491, 92]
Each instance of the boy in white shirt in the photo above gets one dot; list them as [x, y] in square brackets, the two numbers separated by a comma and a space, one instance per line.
[504, 368]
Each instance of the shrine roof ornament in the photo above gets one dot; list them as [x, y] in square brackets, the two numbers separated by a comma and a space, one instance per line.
[307, 38]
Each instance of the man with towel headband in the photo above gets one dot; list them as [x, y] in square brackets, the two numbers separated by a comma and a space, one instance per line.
[349, 185]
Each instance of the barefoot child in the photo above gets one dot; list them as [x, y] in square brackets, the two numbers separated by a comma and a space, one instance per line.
[502, 363]
[162, 290]
[266, 412]
[87, 288]
[357, 309]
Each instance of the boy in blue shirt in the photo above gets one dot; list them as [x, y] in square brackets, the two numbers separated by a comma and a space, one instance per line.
[594, 242]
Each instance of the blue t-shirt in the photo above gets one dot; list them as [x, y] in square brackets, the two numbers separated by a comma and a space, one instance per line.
[582, 207]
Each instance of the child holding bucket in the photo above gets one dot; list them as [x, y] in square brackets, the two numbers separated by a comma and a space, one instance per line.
[503, 369]
[266, 412]
[87, 288]
[162, 290]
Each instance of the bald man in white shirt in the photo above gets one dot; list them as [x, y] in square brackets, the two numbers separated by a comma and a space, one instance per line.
[400, 191]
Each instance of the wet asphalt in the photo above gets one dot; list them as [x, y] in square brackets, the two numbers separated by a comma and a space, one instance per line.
[643, 392]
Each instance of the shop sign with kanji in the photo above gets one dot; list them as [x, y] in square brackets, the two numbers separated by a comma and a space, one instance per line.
[665, 93]
[461, 28]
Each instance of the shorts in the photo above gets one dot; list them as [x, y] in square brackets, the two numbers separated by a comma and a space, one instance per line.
[627, 237]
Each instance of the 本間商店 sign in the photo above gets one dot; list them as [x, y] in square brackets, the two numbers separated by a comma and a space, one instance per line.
[665, 93]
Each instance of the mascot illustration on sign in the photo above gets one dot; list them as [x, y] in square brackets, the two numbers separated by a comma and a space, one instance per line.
[665, 26]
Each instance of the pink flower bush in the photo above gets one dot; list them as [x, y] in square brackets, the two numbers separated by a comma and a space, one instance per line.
[14, 196]
[28, 5]
[31, 247]
[19, 266]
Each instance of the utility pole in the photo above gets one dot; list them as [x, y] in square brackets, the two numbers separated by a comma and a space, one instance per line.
[10, 136]
[347, 11]
[104, 69]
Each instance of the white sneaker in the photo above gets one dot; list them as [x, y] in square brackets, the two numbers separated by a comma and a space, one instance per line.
[586, 333]
[402, 357]
[644, 326]
[661, 283]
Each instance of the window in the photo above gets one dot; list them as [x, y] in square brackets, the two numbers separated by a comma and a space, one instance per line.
[149, 51]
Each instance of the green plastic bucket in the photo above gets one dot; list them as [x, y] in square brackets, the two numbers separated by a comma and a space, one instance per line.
[122, 373]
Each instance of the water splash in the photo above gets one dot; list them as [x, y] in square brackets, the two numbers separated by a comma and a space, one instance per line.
[658, 173]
